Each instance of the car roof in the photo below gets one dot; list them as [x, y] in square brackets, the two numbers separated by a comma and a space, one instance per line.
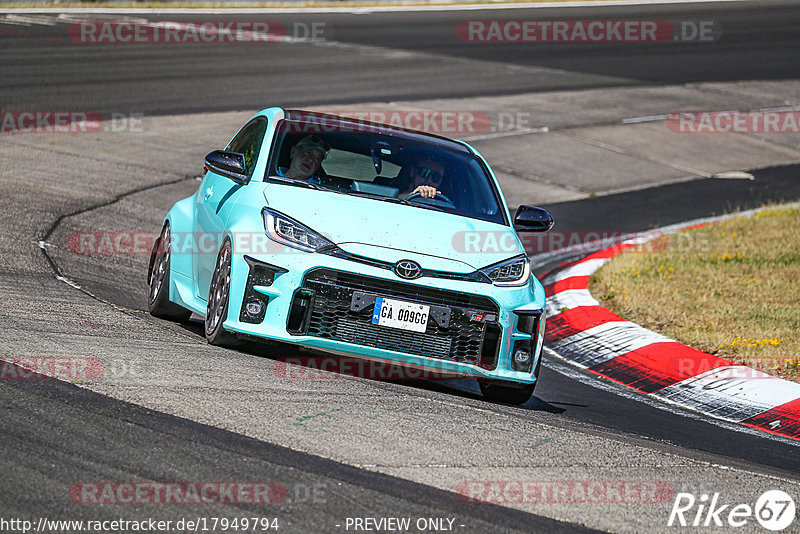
[356, 125]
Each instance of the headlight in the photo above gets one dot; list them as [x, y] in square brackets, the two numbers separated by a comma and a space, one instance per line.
[289, 232]
[514, 272]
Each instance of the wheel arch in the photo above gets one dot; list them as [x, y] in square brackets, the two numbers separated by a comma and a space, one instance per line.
[180, 219]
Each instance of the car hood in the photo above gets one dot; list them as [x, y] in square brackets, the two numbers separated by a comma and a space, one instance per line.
[391, 232]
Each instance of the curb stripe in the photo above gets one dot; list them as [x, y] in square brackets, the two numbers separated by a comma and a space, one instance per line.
[734, 399]
[613, 250]
[592, 337]
[569, 300]
[606, 341]
[576, 320]
[573, 282]
[582, 268]
[658, 365]
[783, 420]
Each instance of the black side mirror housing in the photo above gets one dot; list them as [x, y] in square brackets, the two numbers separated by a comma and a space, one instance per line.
[533, 219]
[228, 164]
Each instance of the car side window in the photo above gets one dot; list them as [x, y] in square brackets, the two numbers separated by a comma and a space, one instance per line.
[248, 142]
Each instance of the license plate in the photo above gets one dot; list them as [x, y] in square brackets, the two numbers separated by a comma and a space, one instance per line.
[399, 314]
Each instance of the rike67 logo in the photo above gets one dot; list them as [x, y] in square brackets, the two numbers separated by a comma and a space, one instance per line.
[774, 510]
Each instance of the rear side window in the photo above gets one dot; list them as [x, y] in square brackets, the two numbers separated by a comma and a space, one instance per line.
[248, 142]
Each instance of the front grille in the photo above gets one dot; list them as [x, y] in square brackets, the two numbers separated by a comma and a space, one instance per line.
[462, 341]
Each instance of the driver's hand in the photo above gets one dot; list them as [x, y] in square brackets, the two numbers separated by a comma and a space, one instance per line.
[426, 191]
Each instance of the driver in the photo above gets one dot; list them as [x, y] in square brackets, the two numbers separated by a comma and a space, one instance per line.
[307, 156]
[426, 177]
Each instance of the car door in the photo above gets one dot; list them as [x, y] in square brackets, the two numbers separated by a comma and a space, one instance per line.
[214, 200]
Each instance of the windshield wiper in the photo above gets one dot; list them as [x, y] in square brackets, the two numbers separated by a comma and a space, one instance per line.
[394, 200]
[378, 197]
[302, 183]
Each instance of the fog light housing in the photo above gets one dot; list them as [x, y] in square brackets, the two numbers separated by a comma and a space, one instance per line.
[528, 322]
[254, 308]
[522, 357]
[254, 303]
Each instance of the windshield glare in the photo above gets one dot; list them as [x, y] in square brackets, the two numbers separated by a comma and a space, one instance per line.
[386, 165]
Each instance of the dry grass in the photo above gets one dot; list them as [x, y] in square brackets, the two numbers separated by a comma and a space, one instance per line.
[731, 289]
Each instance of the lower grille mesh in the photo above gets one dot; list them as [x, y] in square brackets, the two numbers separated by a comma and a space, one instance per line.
[380, 337]
[332, 318]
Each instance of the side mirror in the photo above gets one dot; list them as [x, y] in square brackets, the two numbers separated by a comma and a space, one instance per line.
[532, 219]
[228, 164]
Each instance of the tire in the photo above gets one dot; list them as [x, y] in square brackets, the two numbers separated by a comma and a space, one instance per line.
[495, 391]
[218, 299]
[158, 281]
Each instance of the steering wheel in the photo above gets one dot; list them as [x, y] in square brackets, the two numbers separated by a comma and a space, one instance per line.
[438, 198]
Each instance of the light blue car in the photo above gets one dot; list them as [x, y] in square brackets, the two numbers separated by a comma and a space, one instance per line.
[357, 239]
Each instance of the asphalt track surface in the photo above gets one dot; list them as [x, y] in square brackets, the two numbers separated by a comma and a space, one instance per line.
[755, 43]
[132, 438]
[74, 434]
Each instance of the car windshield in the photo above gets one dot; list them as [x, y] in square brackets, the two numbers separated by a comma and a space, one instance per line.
[384, 164]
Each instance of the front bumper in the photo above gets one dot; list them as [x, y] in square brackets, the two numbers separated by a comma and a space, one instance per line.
[327, 306]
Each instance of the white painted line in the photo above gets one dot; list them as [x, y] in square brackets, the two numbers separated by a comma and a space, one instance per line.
[28, 20]
[511, 133]
[784, 108]
[605, 342]
[651, 118]
[74, 17]
[68, 282]
[734, 175]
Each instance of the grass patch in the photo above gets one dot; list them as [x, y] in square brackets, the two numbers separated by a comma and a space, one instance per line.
[731, 289]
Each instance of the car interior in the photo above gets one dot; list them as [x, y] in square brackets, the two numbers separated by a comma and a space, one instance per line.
[368, 163]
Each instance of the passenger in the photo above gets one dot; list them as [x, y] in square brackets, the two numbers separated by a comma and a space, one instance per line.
[307, 156]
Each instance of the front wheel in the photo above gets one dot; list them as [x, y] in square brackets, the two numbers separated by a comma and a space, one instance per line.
[218, 298]
[158, 281]
[496, 391]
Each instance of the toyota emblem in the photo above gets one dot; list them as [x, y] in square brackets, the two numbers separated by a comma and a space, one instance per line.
[407, 269]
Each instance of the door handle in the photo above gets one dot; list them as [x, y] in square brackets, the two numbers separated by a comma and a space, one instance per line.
[209, 192]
